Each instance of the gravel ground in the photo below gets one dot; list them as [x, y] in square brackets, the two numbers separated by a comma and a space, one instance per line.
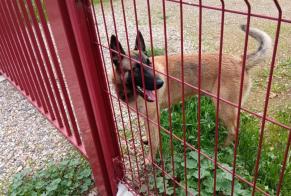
[27, 139]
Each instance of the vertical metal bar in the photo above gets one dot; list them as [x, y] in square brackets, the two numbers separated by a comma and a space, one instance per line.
[47, 91]
[10, 52]
[218, 92]
[267, 94]
[134, 90]
[118, 100]
[199, 99]
[183, 97]
[64, 25]
[59, 74]
[34, 65]
[125, 92]
[107, 80]
[50, 75]
[19, 64]
[240, 95]
[19, 27]
[18, 42]
[169, 97]
[82, 24]
[156, 96]
[11, 55]
[143, 84]
[5, 59]
[1, 63]
[47, 67]
[284, 164]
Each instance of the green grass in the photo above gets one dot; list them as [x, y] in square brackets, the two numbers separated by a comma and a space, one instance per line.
[98, 1]
[156, 51]
[69, 177]
[281, 77]
[273, 149]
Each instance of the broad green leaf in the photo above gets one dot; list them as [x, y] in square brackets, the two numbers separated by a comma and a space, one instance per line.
[194, 155]
[203, 173]
[191, 163]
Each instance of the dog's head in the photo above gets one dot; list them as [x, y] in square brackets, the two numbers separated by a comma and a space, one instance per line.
[133, 74]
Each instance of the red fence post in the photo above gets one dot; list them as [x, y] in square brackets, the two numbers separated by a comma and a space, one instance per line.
[80, 60]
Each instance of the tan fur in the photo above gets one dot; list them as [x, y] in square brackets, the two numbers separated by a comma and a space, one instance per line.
[229, 88]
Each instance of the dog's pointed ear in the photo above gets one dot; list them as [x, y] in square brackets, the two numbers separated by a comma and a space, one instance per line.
[115, 45]
[139, 42]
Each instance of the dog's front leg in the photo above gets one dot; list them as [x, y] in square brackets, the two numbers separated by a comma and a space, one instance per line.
[152, 131]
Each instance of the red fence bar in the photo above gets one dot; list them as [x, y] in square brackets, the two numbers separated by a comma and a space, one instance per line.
[218, 93]
[32, 63]
[119, 105]
[59, 74]
[5, 68]
[169, 98]
[19, 42]
[107, 80]
[129, 112]
[199, 102]
[33, 28]
[284, 164]
[24, 61]
[79, 35]
[46, 88]
[183, 95]
[47, 70]
[7, 55]
[32, 77]
[63, 35]
[16, 53]
[53, 92]
[267, 98]
[237, 125]
[157, 98]
[10, 53]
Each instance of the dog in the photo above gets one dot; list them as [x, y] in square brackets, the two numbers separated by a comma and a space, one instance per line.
[136, 83]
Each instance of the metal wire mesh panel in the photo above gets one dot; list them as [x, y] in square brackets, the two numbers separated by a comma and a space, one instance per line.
[179, 74]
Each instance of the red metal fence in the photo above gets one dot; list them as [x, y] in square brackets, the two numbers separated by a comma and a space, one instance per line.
[54, 80]
[59, 54]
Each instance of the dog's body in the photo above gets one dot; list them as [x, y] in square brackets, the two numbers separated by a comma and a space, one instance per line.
[231, 68]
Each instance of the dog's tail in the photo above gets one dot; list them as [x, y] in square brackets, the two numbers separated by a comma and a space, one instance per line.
[264, 50]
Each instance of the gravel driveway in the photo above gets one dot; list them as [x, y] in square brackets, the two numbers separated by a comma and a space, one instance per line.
[27, 139]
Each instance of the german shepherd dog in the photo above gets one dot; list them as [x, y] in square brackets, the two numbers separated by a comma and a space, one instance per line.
[135, 81]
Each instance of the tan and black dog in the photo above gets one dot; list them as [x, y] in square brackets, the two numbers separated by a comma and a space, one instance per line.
[131, 76]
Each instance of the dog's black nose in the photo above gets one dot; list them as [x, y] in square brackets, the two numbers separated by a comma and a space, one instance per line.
[159, 83]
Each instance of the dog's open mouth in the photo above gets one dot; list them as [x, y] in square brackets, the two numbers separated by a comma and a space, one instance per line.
[150, 96]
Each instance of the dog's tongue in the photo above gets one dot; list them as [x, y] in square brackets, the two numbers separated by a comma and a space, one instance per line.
[150, 95]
